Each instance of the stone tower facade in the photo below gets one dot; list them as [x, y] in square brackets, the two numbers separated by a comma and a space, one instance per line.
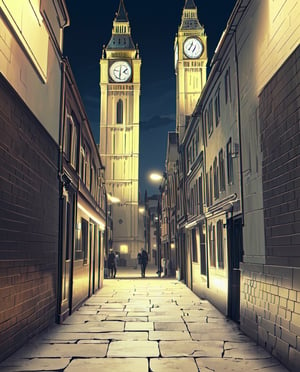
[119, 132]
[190, 52]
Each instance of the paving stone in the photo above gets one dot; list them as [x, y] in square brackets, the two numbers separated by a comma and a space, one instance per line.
[219, 334]
[41, 364]
[62, 351]
[170, 326]
[207, 327]
[206, 349]
[104, 326]
[109, 364]
[128, 318]
[120, 336]
[83, 318]
[133, 349]
[139, 326]
[244, 351]
[238, 365]
[169, 335]
[173, 364]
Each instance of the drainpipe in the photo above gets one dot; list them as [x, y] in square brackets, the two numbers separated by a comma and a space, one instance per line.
[61, 186]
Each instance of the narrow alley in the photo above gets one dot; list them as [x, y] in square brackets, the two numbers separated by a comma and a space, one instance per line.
[143, 324]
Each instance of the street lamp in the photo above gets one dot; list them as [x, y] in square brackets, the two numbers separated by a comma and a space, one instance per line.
[155, 177]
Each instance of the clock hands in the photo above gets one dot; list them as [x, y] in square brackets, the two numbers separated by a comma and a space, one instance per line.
[120, 71]
[191, 45]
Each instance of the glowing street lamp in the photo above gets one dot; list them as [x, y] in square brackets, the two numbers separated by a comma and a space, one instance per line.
[155, 177]
[113, 199]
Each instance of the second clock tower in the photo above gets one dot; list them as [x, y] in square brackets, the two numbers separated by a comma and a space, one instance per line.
[190, 50]
[119, 132]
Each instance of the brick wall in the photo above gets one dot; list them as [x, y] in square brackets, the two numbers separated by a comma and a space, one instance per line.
[28, 223]
[279, 108]
[270, 293]
[270, 310]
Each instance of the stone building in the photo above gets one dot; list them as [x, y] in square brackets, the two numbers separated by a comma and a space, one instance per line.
[30, 109]
[52, 194]
[248, 117]
[119, 133]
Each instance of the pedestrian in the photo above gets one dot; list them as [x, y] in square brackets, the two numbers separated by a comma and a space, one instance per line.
[144, 262]
[111, 263]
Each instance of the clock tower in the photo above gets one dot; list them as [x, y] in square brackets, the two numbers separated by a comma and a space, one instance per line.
[190, 50]
[120, 82]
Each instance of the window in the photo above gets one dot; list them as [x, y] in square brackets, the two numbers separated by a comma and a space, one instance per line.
[227, 86]
[217, 107]
[68, 138]
[84, 240]
[222, 170]
[120, 112]
[212, 247]
[207, 189]
[82, 163]
[210, 118]
[200, 195]
[216, 179]
[74, 156]
[194, 246]
[202, 251]
[210, 186]
[229, 162]
[220, 244]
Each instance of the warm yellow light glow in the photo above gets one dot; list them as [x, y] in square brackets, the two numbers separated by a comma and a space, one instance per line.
[154, 245]
[124, 248]
[113, 199]
[155, 177]
[91, 215]
[141, 209]
[172, 245]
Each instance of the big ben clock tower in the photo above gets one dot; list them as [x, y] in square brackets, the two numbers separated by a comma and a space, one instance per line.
[119, 132]
[190, 50]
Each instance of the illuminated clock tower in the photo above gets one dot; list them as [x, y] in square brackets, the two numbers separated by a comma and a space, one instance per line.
[119, 132]
[190, 50]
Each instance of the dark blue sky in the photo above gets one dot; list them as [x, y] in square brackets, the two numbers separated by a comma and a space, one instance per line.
[154, 24]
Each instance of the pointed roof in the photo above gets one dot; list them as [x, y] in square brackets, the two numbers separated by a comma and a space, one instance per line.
[189, 4]
[121, 39]
[189, 20]
[121, 16]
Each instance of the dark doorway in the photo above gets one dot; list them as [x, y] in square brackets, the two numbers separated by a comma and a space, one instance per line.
[235, 256]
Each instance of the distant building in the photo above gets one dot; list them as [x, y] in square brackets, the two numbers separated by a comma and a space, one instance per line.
[119, 133]
[83, 204]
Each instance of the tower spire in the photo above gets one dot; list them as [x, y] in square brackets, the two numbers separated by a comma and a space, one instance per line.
[121, 16]
[121, 33]
[189, 4]
[189, 20]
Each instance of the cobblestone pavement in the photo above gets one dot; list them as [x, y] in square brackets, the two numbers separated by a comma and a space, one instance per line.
[142, 325]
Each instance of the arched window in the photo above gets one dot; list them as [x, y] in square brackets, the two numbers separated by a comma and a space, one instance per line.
[120, 112]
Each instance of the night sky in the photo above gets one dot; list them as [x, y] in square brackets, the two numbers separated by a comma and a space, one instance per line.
[154, 24]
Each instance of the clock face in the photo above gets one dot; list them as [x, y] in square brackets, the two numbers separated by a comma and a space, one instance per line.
[192, 47]
[120, 71]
